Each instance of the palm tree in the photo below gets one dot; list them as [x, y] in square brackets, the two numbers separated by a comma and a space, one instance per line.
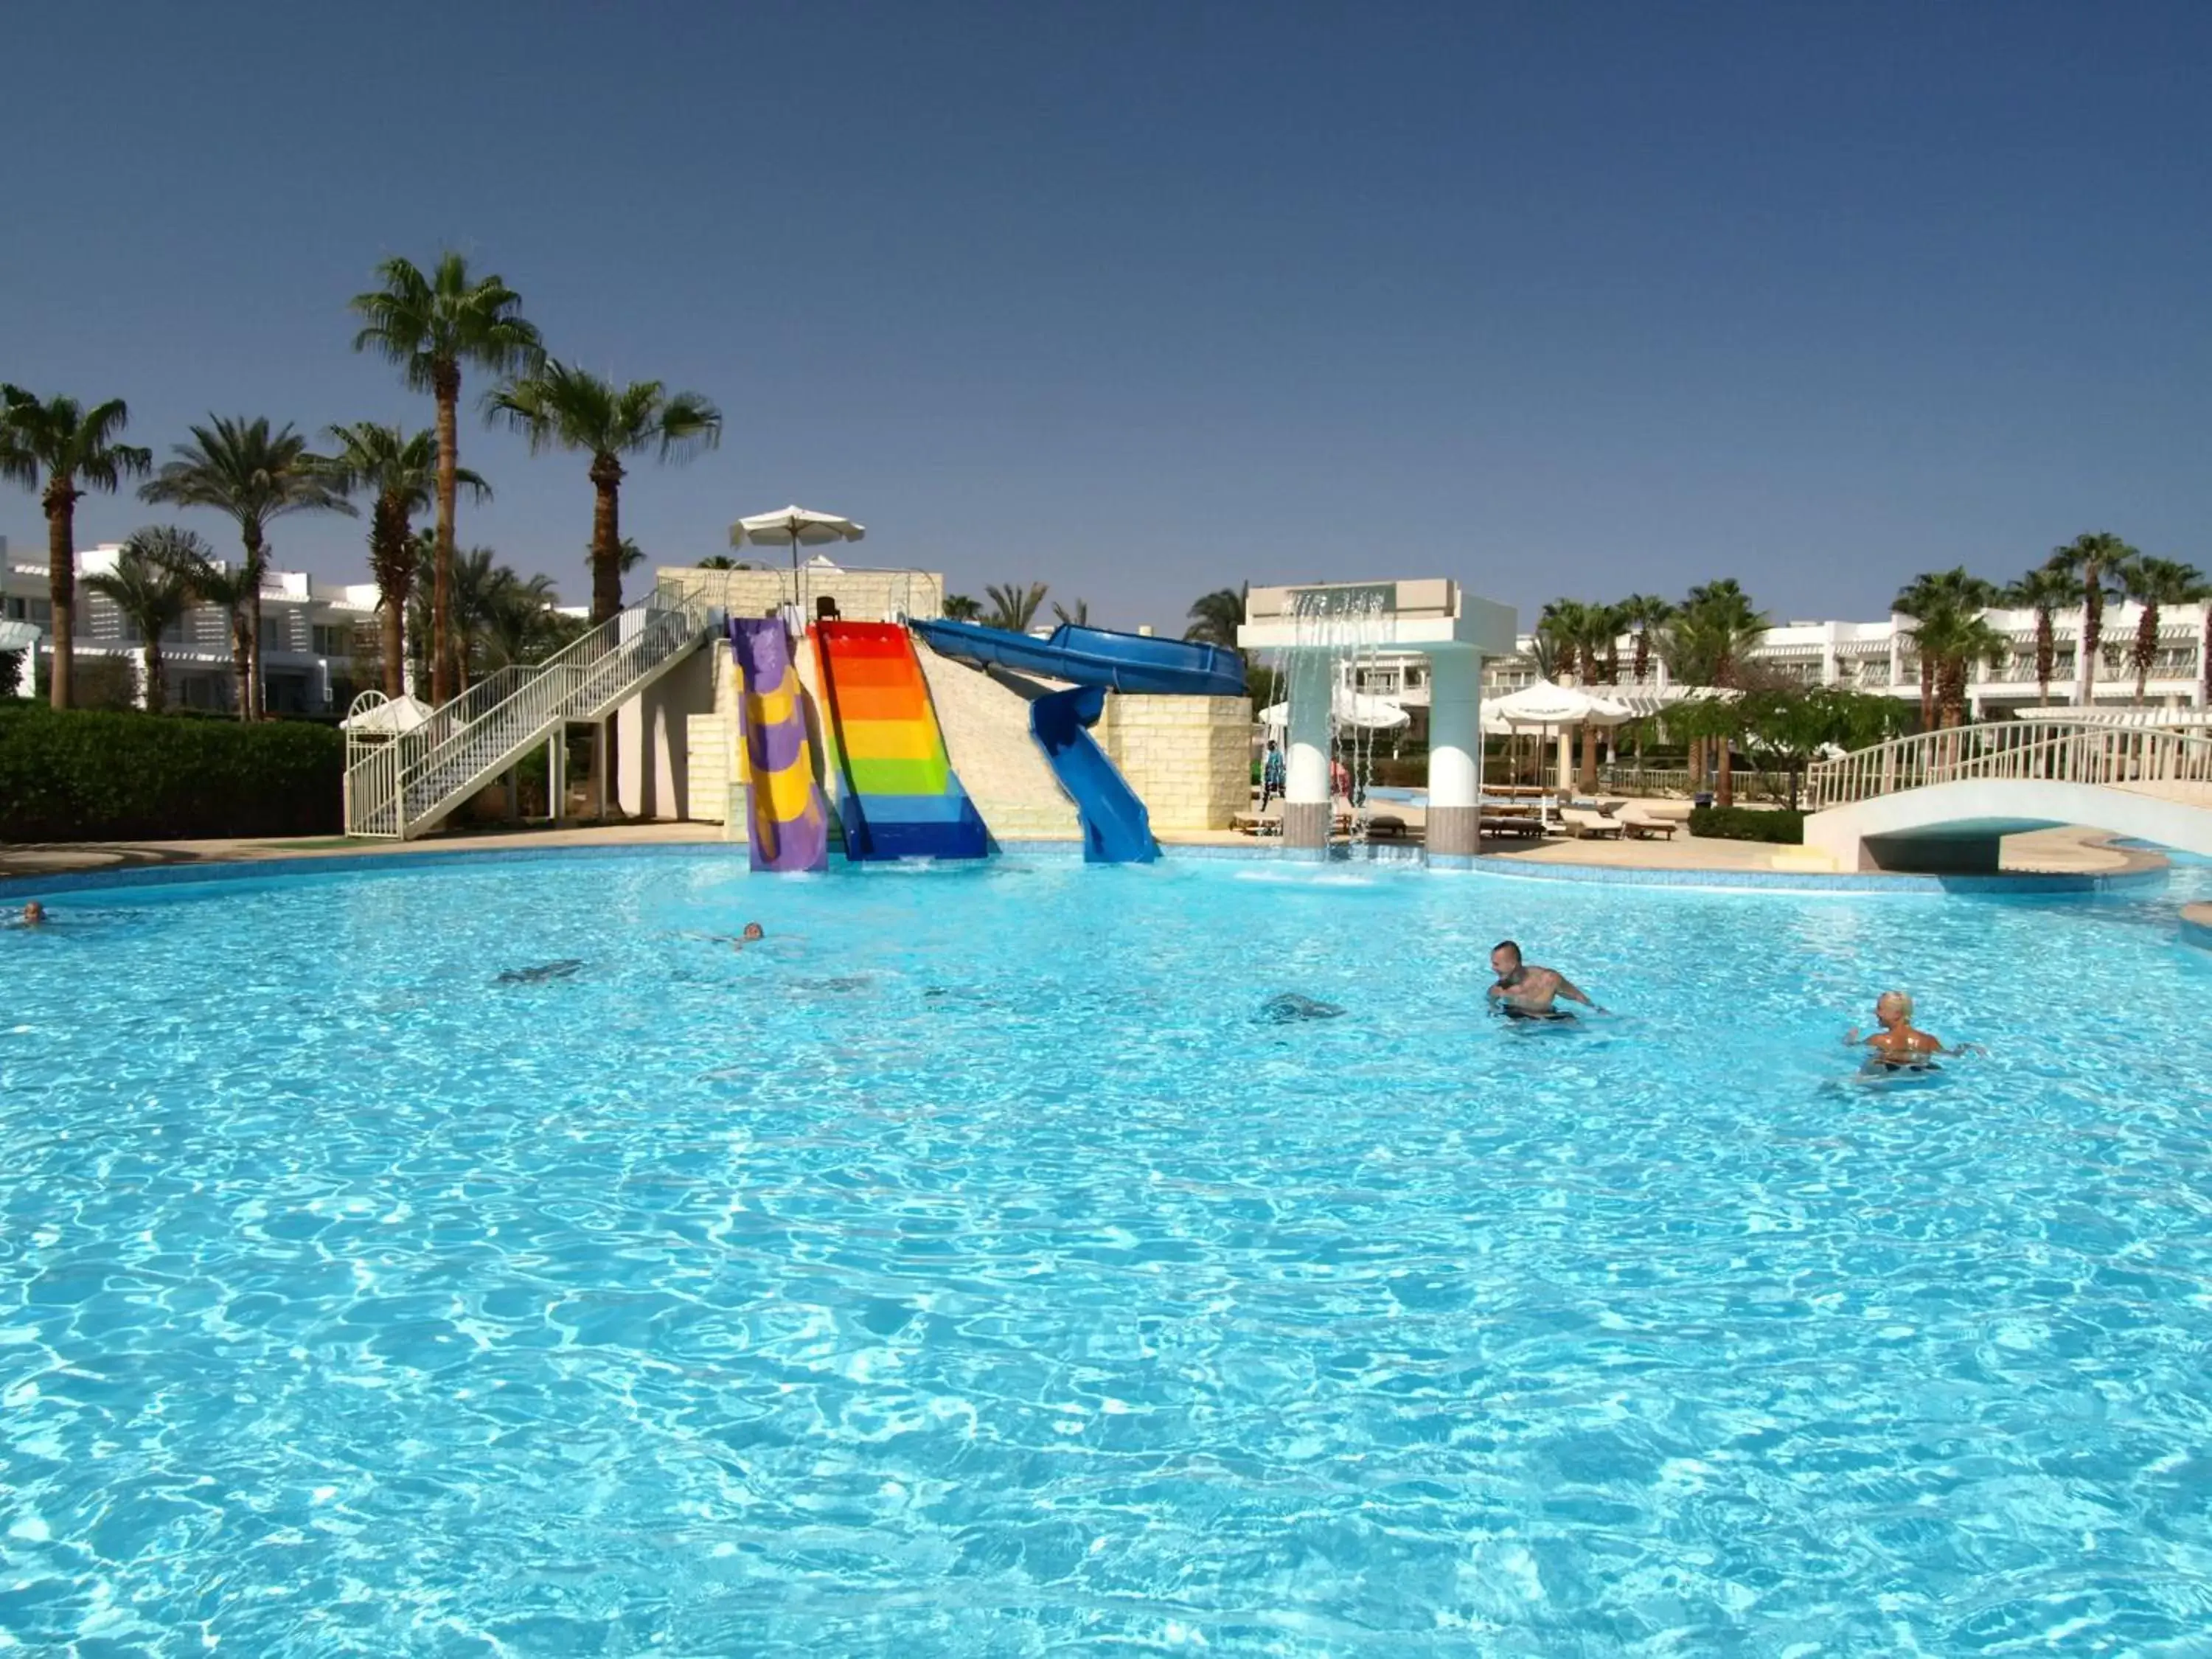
[480, 583]
[2093, 558]
[2153, 583]
[75, 448]
[401, 472]
[242, 468]
[150, 588]
[231, 591]
[1954, 637]
[1585, 636]
[1934, 600]
[959, 607]
[1644, 614]
[560, 407]
[1728, 629]
[1079, 617]
[2042, 590]
[431, 327]
[1215, 617]
[1014, 608]
[519, 624]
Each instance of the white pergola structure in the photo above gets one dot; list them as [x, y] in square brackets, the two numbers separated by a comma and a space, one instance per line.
[1310, 627]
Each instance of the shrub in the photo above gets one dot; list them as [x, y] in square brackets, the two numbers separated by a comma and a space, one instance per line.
[1746, 823]
[88, 775]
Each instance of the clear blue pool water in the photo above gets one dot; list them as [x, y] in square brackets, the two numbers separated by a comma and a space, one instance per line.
[965, 1271]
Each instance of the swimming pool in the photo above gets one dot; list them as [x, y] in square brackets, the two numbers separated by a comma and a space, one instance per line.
[964, 1269]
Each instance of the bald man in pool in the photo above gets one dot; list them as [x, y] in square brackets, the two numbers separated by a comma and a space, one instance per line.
[1524, 991]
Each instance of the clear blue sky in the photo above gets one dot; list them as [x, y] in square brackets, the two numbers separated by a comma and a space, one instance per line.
[1140, 300]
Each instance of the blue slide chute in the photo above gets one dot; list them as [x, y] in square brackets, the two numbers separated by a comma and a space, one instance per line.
[1095, 656]
[1117, 828]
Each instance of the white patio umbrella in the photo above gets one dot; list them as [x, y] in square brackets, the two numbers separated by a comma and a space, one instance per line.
[389, 718]
[18, 635]
[1347, 708]
[794, 527]
[1545, 705]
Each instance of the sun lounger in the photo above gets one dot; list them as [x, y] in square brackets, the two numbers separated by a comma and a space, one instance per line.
[1643, 825]
[1581, 823]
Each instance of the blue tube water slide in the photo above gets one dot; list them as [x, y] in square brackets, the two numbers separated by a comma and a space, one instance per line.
[1095, 656]
[1117, 828]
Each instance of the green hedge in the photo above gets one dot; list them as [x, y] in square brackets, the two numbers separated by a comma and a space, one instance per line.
[92, 775]
[1746, 823]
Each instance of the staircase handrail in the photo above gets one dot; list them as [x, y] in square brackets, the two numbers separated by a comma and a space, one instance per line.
[503, 708]
[2040, 751]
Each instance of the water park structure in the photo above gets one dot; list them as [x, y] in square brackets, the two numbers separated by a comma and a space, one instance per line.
[1322, 631]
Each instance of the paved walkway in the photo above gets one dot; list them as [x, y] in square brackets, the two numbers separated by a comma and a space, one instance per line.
[2070, 851]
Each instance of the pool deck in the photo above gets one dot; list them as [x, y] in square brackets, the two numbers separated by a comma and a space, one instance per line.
[2066, 851]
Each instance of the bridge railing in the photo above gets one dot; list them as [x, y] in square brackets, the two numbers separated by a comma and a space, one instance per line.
[2033, 750]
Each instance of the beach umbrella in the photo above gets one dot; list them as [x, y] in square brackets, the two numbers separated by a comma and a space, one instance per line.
[1347, 708]
[387, 719]
[1544, 705]
[794, 527]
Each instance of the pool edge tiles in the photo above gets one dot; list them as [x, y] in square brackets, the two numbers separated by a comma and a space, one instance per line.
[1400, 856]
[2196, 926]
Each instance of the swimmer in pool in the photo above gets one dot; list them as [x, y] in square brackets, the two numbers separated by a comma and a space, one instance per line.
[753, 934]
[1898, 1044]
[1525, 991]
[34, 914]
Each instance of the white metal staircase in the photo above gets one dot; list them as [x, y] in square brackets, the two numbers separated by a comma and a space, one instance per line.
[402, 788]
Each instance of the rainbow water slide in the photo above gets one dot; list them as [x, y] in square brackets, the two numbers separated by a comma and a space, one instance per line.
[898, 796]
[788, 825]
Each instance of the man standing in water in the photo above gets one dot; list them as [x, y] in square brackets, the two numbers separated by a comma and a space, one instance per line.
[1525, 991]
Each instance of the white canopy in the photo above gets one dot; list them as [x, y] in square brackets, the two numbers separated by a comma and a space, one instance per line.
[794, 527]
[1347, 708]
[1547, 704]
[18, 635]
[388, 719]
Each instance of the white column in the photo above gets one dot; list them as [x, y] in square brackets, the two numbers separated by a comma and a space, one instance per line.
[1306, 809]
[1455, 752]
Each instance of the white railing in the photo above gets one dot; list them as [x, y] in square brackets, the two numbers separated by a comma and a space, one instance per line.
[2041, 750]
[401, 784]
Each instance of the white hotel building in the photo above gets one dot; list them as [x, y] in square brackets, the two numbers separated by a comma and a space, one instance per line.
[1879, 657]
[318, 639]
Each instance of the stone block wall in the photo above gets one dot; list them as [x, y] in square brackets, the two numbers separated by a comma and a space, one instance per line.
[1190, 759]
[861, 595]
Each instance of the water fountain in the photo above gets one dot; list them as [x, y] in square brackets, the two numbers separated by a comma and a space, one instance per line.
[1324, 635]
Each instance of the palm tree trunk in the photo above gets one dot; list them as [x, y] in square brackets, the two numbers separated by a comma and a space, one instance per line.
[1588, 777]
[2092, 631]
[1927, 692]
[607, 590]
[1724, 783]
[255, 696]
[2046, 654]
[61, 585]
[448, 385]
[391, 644]
[2146, 649]
[241, 660]
[157, 694]
[607, 538]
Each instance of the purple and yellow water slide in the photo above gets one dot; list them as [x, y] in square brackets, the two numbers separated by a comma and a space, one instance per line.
[788, 821]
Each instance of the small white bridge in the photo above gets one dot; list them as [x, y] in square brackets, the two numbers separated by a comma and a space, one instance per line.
[1940, 802]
